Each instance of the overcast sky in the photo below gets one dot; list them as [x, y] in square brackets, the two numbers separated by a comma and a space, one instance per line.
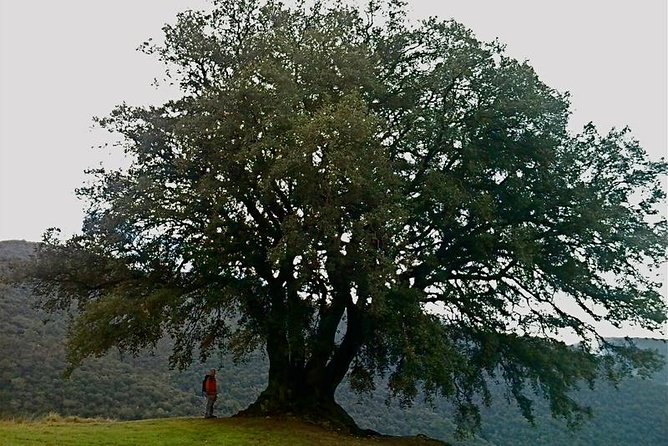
[63, 62]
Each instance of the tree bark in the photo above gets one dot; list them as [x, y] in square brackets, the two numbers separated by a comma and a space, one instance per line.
[294, 391]
[305, 373]
[306, 390]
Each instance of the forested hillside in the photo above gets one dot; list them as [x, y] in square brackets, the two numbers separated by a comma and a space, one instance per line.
[32, 362]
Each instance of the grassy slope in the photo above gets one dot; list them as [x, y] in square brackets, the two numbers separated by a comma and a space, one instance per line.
[183, 431]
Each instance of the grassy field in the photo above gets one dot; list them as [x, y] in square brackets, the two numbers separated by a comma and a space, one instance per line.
[55, 431]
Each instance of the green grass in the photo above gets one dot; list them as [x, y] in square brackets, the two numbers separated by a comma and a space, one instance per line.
[56, 431]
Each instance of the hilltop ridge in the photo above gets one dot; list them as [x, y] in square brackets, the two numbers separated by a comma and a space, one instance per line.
[182, 431]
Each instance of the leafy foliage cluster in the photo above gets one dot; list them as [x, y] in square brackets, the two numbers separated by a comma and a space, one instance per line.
[352, 193]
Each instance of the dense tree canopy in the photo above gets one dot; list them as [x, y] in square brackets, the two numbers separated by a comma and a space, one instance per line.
[355, 194]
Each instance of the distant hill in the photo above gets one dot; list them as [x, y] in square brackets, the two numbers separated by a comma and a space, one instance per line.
[31, 384]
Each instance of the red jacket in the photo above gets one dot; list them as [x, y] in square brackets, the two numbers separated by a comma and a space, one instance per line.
[210, 385]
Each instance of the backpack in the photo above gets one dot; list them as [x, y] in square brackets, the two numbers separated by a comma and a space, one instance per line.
[206, 377]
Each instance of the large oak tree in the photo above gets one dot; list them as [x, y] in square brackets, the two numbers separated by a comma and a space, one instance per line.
[360, 196]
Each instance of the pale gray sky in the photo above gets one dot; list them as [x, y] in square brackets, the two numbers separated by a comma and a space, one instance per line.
[62, 62]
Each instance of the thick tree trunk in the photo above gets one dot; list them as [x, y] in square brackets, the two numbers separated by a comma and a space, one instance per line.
[304, 373]
[306, 389]
[309, 400]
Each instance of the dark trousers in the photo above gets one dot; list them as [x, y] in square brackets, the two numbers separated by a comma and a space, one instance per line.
[210, 401]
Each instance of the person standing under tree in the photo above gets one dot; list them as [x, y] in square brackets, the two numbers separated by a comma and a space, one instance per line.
[210, 390]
